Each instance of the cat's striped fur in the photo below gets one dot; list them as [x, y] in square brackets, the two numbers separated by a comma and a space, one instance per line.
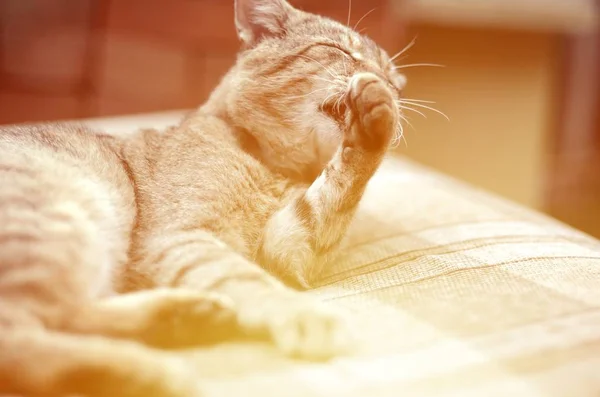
[193, 228]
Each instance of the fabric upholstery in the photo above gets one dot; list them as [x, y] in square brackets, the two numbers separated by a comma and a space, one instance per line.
[455, 292]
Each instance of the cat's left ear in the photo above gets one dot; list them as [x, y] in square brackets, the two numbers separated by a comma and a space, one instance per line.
[258, 19]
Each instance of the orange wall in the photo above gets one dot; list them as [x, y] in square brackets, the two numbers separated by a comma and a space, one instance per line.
[499, 89]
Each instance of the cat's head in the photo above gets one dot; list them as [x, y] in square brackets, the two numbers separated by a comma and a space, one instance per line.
[288, 86]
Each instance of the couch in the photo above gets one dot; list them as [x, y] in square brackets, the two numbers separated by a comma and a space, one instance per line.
[456, 292]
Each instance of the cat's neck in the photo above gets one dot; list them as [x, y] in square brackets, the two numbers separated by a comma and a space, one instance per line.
[216, 107]
[219, 105]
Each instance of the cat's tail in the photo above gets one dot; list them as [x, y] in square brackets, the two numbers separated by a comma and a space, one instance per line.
[45, 363]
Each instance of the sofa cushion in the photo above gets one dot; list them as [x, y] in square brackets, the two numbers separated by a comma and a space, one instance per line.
[455, 292]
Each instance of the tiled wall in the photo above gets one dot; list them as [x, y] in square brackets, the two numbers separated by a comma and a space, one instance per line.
[83, 58]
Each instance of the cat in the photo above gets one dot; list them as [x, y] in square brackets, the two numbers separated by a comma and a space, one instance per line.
[192, 234]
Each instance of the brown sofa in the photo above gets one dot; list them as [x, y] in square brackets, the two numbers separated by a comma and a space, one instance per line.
[457, 292]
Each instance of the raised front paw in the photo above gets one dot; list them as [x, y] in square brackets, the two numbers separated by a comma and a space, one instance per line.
[301, 327]
[374, 115]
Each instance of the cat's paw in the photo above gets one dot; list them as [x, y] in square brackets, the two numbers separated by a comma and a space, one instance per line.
[373, 110]
[301, 327]
[190, 318]
[174, 317]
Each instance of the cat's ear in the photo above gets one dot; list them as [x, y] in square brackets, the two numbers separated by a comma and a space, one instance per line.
[257, 19]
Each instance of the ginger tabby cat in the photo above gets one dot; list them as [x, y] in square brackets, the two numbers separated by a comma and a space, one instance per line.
[189, 235]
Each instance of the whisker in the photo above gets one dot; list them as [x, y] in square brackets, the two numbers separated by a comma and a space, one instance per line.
[363, 17]
[413, 110]
[329, 96]
[349, 12]
[412, 65]
[319, 63]
[310, 93]
[402, 51]
[400, 59]
[405, 119]
[399, 135]
[338, 103]
[402, 135]
[430, 108]
[396, 139]
[324, 79]
[414, 100]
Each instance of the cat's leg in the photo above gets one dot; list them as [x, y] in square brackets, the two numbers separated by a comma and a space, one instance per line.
[161, 317]
[299, 237]
[40, 312]
[37, 362]
[45, 307]
[52, 265]
[197, 260]
[37, 303]
[53, 262]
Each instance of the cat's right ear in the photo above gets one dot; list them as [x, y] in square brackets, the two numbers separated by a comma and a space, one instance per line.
[258, 19]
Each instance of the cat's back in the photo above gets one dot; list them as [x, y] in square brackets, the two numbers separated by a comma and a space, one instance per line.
[65, 158]
[42, 145]
[66, 177]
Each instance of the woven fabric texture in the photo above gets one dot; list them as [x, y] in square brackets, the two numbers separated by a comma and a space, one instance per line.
[455, 293]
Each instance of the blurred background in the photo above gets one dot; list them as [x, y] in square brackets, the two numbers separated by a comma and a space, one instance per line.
[520, 85]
